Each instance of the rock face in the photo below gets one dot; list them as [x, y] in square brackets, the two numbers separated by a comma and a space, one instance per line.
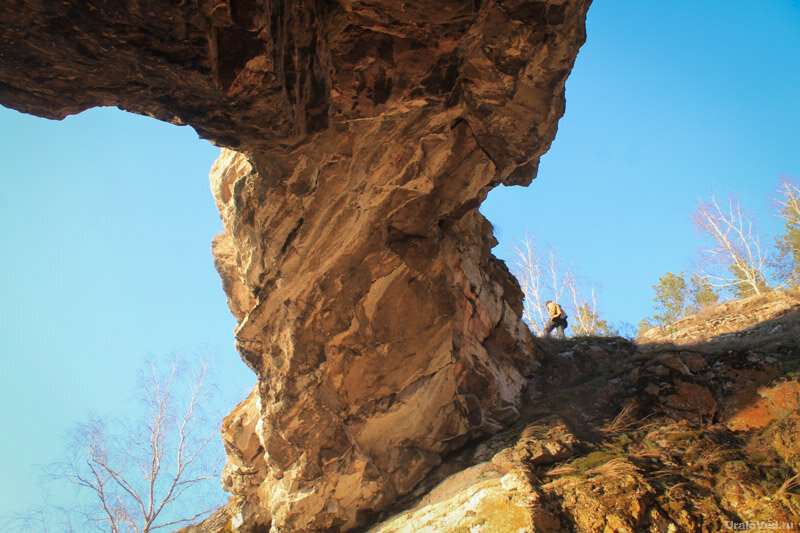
[382, 331]
[615, 436]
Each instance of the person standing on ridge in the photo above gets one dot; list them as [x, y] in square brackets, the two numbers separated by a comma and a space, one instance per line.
[558, 320]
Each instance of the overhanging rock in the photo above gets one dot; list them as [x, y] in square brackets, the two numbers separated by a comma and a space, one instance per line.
[366, 133]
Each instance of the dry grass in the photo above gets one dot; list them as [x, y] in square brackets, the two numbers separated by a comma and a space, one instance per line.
[789, 485]
[676, 486]
[560, 471]
[624, 421]
[614, 468]
[641, 453]
[653, 427]
[670, 471]
[710, 456]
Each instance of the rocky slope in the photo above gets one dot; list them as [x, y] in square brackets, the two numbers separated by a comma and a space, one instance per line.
[660, 436]
[383, 333]
[700, 435]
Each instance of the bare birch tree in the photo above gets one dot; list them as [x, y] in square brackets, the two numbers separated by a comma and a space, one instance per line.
[543, 276]
[586, 321]
[735, 256]
[585, 317]
[135, 475]
[44, 517]
[529, 275]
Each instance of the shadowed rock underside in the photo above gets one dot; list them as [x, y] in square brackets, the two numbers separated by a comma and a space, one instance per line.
[360, 137]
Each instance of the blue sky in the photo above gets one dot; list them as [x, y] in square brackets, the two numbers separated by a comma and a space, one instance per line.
[667, 102]
[106, 218]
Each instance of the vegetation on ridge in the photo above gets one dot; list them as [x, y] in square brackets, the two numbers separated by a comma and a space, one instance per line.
[734, 261]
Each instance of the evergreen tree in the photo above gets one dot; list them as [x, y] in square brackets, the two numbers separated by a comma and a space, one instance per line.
[671, 293]
[787, 262]
[788, 259]
[702, 293]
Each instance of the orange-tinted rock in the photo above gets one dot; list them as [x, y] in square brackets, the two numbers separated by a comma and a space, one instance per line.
[749, 412]
[757, 409]
[783, 397]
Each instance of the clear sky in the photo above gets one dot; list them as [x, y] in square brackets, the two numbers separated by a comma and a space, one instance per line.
[106, 218]
[667, 101]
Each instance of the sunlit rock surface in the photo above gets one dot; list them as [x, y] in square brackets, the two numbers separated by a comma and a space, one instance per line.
[751, 317]
[655, 437]
[383, 333]
[397, 388]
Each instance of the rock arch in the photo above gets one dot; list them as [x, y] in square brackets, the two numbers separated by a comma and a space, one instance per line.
[360, 138]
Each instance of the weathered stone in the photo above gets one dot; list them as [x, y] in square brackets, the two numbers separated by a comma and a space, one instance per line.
[382, 331]
[497, 492]
[342, 377]
[758, 408]
[605, 503]
[783, 397]
[786, 441]
[477, 498]
[541, 443]
[695, 401]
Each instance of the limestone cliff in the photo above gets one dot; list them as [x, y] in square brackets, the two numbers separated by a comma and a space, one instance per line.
[383, 333]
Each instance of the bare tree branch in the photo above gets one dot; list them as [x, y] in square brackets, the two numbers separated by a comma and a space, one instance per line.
[135, 479]
[543, 276]
[735, 254]
[183, 520]
[529, 273]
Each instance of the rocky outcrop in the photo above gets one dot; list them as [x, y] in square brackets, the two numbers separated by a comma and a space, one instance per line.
[494, 488]
[616, 436]
[260, 75]
[398, 389]
[771, 316]
[383, 333]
